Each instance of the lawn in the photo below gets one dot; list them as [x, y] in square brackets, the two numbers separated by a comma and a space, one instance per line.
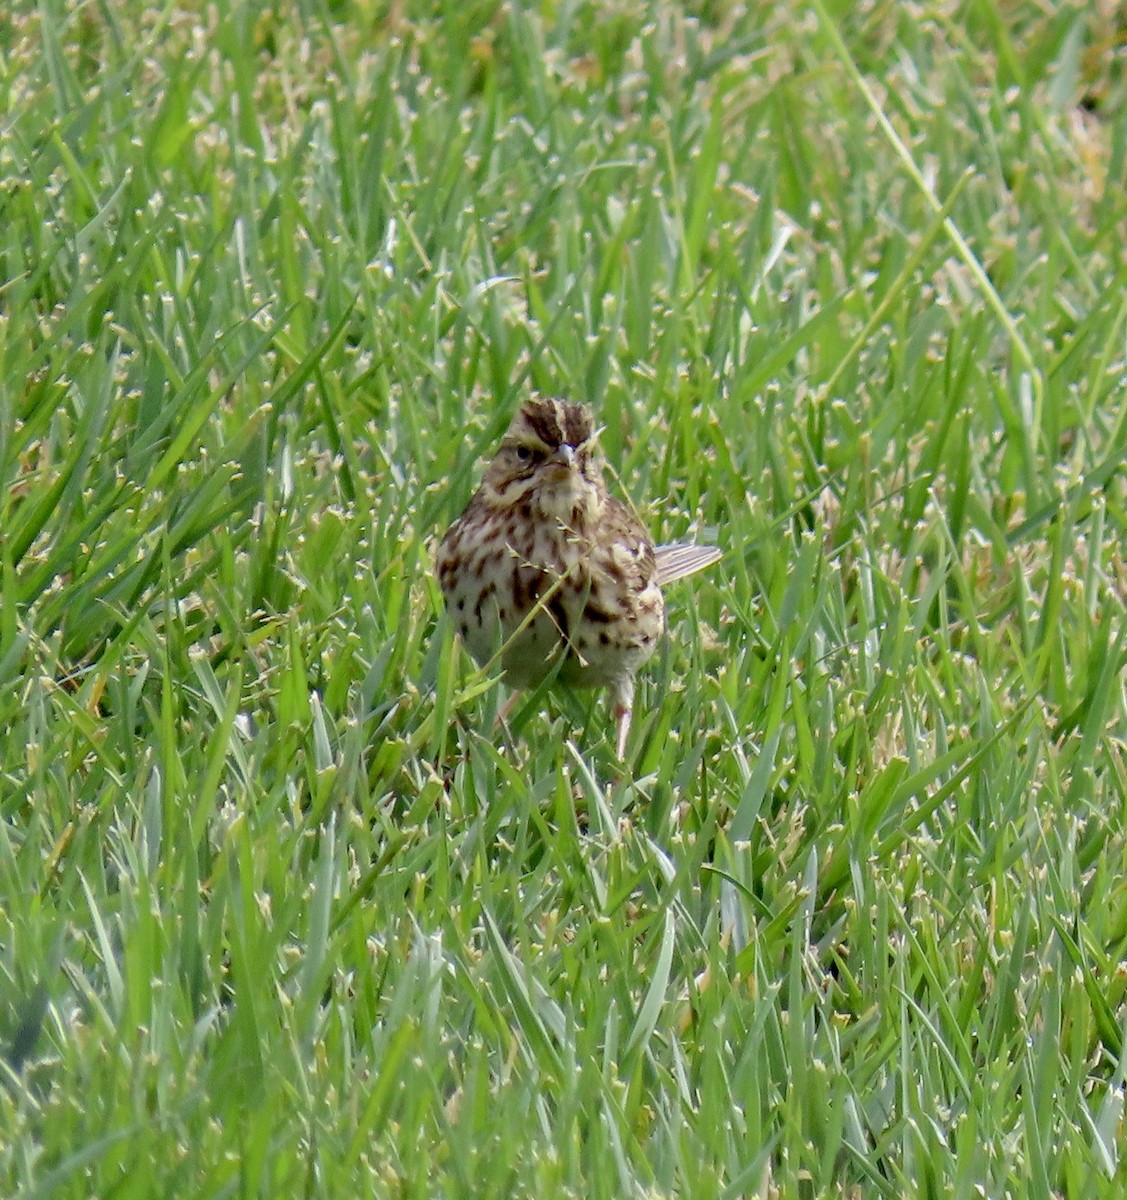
[284, 911]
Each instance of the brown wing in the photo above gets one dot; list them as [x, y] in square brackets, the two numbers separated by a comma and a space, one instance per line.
[626, 545]
[678, 559]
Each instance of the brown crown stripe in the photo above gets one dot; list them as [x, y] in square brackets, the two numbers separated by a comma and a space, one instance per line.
[558, 424]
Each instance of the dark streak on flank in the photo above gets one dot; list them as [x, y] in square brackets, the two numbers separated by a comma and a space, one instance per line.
[559, 617]
[614, 572]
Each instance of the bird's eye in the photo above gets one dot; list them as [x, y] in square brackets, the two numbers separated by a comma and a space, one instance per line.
[523, 453]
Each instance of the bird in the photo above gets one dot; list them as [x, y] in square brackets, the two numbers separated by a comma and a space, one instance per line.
[548, 570]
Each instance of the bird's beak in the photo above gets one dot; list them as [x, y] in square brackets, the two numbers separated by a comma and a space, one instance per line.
[563, 461]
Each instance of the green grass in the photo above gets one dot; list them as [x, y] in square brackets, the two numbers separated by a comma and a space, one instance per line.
[279, 914]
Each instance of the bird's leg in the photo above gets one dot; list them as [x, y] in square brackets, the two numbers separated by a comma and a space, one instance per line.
[623, 695]
[502, 719]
